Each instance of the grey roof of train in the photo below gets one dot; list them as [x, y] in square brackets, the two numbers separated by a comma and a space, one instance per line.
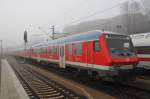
[90, 35]
[141, 34]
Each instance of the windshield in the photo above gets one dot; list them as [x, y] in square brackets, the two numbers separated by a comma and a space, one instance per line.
[119, 45]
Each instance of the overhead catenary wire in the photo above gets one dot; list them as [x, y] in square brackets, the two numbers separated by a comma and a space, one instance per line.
[44, 32]
[91, 15]
[77, 6]
[95, 13]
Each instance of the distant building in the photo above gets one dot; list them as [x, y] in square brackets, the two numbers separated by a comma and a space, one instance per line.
[134, 18]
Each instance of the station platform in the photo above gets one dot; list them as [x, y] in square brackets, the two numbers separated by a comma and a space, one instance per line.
[10, 87]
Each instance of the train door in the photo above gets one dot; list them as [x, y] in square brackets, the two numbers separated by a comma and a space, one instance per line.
[62, 56]
[89, 54]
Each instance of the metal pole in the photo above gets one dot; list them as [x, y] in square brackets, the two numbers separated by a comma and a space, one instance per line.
[24, 51]
[53, 32]
[1, 49]
[1, 62]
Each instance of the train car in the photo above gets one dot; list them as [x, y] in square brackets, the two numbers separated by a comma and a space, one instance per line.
[142, 46]
[104, 55]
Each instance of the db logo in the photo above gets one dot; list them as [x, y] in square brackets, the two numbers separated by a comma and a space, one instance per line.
[127, 59]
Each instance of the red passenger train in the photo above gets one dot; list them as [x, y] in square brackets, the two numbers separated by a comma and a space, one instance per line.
[101, 55]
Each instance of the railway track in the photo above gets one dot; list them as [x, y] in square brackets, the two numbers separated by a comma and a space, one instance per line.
[122, 91]
[128, 91]
[38, 86]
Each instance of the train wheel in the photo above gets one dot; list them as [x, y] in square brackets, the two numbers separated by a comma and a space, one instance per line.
[94, 76]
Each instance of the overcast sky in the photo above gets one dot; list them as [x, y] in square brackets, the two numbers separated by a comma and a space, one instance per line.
[19, 15]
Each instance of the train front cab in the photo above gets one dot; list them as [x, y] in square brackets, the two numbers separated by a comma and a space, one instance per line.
[113, 56]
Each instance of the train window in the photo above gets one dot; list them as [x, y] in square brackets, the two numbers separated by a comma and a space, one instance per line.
[137, 36]
[57, 49]
[96, 46]
[70, 49]
[45, 50]
[78, 49]
[32, 51]
[51, 49]
[41, 50]
[147, 36]
[37, 51]
[143, 50]
[48, 50]
[54, 50]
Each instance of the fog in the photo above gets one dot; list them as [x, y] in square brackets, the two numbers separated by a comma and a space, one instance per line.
[16, 16]
[134, 17]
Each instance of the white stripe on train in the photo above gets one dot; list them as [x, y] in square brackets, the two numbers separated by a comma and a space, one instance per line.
[144, 55]
[94, 66]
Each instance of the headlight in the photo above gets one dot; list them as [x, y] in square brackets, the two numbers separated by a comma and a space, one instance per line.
[106, 36]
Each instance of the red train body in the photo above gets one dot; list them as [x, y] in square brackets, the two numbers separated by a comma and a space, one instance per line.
[104, 55]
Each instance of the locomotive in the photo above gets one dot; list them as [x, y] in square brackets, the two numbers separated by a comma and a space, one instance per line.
[101, 55]
[141, 43]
